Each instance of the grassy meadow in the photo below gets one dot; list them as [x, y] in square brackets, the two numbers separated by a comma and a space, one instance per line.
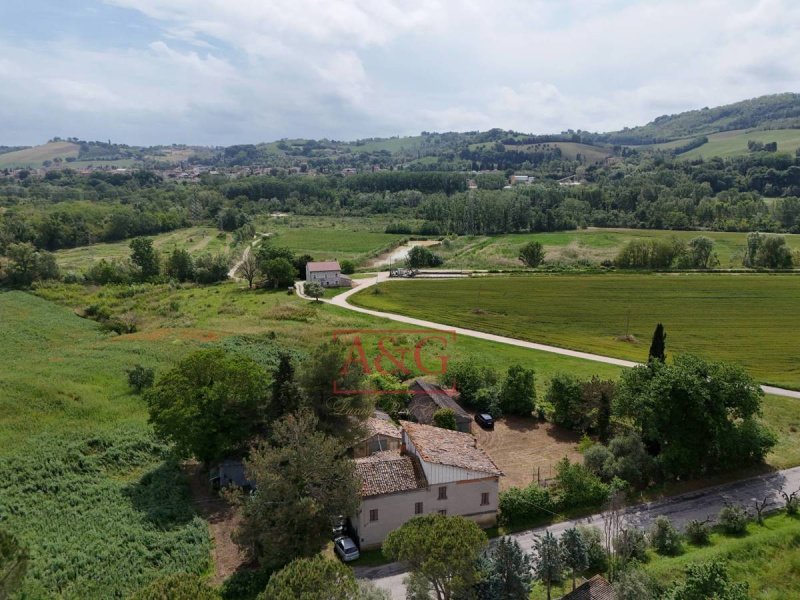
[34, 157]
[766, 559]
[581, 246]
[734, 143]
[749, 318]
[197, 240]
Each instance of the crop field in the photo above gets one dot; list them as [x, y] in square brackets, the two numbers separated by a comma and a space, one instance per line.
[197, 240]
[734, 143]
[34, 157]
[750, 319]
[581, 246]
[766, 558]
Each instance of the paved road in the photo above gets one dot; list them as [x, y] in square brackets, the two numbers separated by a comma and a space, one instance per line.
[341, 300]
[680, 509]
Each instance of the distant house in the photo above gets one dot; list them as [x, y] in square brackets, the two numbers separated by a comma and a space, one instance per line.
[429, 397]
[328, 273]
[521, 179]
[596, 588]
[435, 471]
[382, 435]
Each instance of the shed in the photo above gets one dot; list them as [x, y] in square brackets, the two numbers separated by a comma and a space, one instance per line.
[427, 398]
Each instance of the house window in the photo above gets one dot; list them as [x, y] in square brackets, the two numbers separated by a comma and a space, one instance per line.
[418, 508]
[443, 512]
[443, 493]
[485, 499]
[373, 514]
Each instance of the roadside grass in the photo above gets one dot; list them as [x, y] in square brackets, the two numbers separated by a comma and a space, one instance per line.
[767, 558]
[196, 240]
[749, 319]
[580, 246]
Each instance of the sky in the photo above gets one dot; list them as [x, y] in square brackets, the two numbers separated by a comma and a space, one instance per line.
[222, 72]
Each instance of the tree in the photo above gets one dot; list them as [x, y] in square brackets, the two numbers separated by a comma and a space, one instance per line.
[286, 395]
[303, 477]
[278, 272]
[348, 267]
[575, 551]
[210, 405]
[248, 269]
[596, 397]
[445, 418]
[180, 265]
[664, 538]
[630, 545]
[441, 549]
[518, 392]
[532, 254]
[27, 264]
[659, 344]
[700, 253]
[140, 378]
[144, 256]
[210, 268]
[549, 562]
[316, 578]
[314, 289]
[695, 416]
[774, 253]
[708, 580]
[179, 586]
[13, 564]
[636, 584]
[508, 571]
[564, 394]
[420, 256]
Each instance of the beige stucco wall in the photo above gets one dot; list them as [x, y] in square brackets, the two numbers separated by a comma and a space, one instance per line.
[463, 498]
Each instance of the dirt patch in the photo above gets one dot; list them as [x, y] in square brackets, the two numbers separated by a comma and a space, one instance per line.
[223, 519]
[525, 449]
[399, 254]
[169, 334]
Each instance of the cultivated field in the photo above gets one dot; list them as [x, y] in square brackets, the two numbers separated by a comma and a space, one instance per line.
[34, 157]
[734, 143]
[581, 246]
[750, 319]
[197, 240]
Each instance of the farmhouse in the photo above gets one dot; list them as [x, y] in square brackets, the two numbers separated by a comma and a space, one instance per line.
[327, 273]
[427, 398]
[382, 435]
[435, 470]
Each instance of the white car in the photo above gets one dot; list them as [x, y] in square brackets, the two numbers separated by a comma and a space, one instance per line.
[346, 548]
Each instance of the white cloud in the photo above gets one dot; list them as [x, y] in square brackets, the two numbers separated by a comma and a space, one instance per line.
[230, 71]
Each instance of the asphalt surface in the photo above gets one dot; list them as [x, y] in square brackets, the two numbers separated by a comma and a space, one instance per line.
[700, 504]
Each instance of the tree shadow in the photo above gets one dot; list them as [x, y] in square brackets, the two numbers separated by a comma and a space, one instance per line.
[162, 496]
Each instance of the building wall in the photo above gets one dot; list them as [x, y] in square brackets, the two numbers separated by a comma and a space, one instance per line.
[463, 498]
[376, 443]
[326, 278]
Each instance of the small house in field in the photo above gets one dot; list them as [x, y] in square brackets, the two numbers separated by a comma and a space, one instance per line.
[427, 398]
[327, 273]
[381, 435]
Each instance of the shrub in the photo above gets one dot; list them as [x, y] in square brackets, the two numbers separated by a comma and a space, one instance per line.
[182, 586]
[664, 538]
[348, 267]
[636, 584]
[576, 486]
[518, 505]
[445, 418]
[733, 519]
[631, 544]
[596, 458]
[697, 532]
[140, 378]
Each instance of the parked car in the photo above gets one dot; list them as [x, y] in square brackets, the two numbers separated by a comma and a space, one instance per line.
[346, 549]
[338, 527]
[485, 420]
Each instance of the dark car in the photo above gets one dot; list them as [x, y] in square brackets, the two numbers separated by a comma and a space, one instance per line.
[485, 420]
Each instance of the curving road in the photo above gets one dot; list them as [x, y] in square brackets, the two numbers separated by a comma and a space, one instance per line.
[341, 300]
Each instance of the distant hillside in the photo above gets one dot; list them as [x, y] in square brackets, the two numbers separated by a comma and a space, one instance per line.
[36, 156]
[779, 111]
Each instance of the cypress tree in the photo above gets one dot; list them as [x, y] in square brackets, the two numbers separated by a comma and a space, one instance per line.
[658, 346]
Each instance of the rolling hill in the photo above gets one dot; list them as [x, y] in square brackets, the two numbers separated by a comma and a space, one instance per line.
[35, 157]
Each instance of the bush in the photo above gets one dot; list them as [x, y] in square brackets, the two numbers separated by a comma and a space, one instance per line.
[733, 519]
[664, 538]
[636, 584]
[140, 378]
[576, 486]
[348, 267]
[445, 418]
[564, 394]
[520, 505]
[697, 532]
[596, 458]
[631, 544]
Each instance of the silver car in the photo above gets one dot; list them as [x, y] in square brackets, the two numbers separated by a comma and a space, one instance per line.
[345, 548]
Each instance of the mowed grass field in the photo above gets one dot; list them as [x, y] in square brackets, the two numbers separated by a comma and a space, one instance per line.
[749, 319]
[197, 240]
[34, 157]
[582, 246]
[766, 559]
[734, 143]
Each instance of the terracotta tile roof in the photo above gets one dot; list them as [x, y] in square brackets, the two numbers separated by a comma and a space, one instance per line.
[376, 426]
[596, 588]
[446, 447]
[327, 265]
[387, 473]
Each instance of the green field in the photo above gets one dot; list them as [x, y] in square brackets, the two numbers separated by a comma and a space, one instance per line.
[34, 157]
[734, 143]
[197, 240]
[582, 246]
[750, 319]
[766, 558]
